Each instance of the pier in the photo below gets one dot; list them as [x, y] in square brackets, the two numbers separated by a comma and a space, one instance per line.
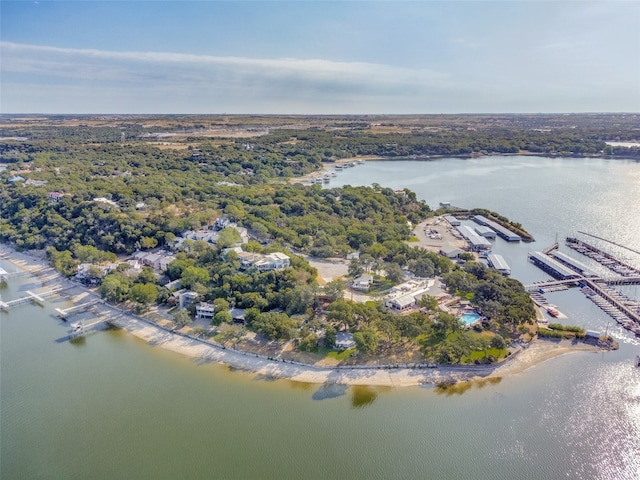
[37, 298]
[65, 312]
[80, 328]
[570, 272]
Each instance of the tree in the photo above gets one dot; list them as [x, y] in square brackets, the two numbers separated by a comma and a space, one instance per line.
[147, 275]
[144, 293]
[394, 272]
[329, 336]
[366, 340]
[182, 317]
[334, 290]
[115, 287]
[147, 243]
[422, 267]
[355, 267]
[428, 302]
[62, 261]
[223, 316]
[498, 342]
[191, 275]
[228, 237]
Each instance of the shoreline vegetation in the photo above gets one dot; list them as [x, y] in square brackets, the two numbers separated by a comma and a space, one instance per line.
[209, 207]
[536, 352]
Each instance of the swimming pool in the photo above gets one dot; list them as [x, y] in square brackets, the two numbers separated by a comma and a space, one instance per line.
[469, 318]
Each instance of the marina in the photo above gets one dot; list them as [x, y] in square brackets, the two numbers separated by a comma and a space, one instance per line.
[570, 272]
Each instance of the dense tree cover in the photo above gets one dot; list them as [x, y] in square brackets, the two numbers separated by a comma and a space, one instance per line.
[503, 300]
[189, 186]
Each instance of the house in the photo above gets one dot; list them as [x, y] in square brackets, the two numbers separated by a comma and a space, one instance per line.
[221, 223]
[273, 261]
[363, 282]
[205, 310]
[353, 255]
[237, 315]
[35, 183]
[158, 261]
[16, 179]
[186, 298]
[55, 196]
[264, 263]
[402, 303]
[106, 201]
[344, 341]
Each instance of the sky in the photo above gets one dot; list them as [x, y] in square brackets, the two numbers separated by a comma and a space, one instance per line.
[312, 57]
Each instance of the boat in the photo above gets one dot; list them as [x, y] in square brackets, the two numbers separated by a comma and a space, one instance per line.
[637, 360]
[552, 311]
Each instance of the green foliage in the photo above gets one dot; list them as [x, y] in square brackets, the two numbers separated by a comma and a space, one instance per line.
[143, 293]
[276, 326]
[181, 317]
[366, 340]
[329, 336]
[115, 287]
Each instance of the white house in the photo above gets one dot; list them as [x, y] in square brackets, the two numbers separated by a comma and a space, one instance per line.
[363, 282]
[205, 310]
[402, 303]
[273, 261]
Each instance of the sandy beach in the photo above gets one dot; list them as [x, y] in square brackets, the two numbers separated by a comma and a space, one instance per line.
[202, 352]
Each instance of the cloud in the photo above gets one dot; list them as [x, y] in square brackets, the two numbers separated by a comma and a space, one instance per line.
[69, 80]
[194, 71]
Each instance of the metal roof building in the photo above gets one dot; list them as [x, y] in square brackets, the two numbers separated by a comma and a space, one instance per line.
[574, 264]
[476, 242]
[485, 232]
[452, 220]
[505, 233]
[498, 262]
[552, 267]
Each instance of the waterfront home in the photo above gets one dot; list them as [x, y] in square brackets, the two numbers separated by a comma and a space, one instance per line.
[186, 298]
[205, 310]
[363, 282]
[237, 315]
[344, 341]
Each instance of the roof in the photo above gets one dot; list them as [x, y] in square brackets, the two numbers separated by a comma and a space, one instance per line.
[498, 262]
[404, 300]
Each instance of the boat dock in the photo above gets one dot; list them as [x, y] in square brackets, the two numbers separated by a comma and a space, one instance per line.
[65, 312]
[80, 328]
[37, 298]
[603, 258]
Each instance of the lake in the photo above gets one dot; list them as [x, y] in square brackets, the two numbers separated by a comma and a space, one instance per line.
[110, 406]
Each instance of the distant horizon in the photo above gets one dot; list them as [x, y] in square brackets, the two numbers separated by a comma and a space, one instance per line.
[80, 114]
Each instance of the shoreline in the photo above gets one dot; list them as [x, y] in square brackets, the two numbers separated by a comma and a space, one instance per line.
[538, 351]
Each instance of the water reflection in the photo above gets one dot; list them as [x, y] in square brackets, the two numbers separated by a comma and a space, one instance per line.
[331, 390]
[458, 388]
[362, 396]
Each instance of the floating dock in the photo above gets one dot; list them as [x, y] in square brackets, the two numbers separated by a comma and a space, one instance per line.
[553, 267]
[502, 232]
[499, 263]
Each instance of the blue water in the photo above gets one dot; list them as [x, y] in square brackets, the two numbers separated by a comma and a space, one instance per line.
[469, 318]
